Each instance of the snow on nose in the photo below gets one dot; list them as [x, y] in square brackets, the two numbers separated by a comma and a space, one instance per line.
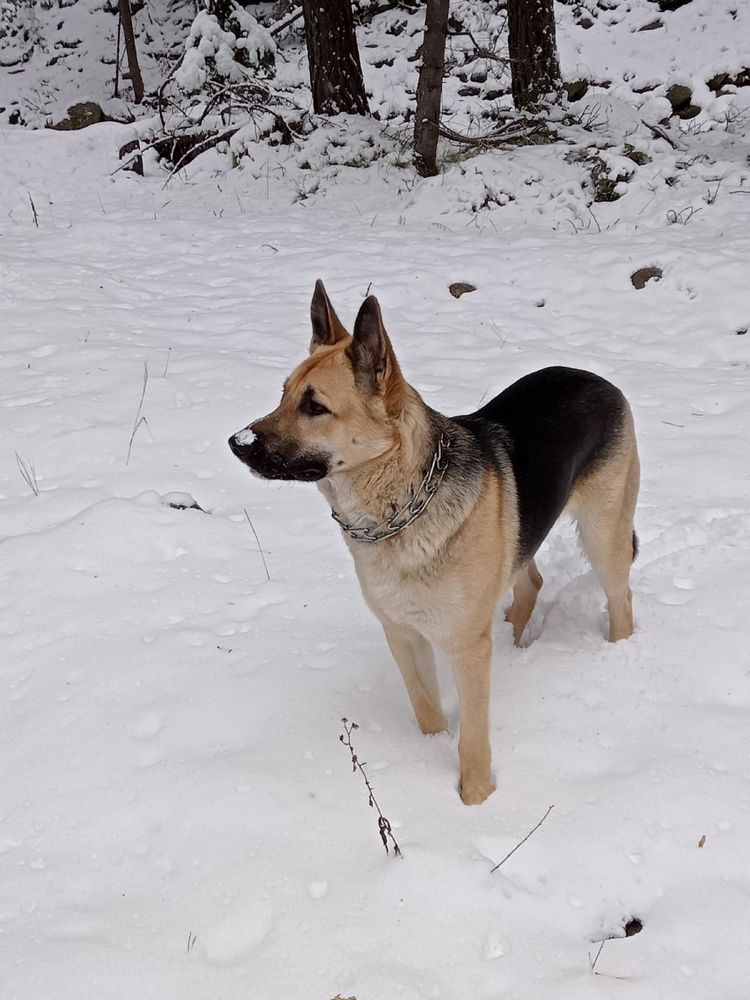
[245, 437]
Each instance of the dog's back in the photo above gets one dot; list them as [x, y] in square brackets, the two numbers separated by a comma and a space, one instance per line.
[556, 427]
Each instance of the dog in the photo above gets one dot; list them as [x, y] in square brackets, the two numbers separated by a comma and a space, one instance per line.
[444, 514]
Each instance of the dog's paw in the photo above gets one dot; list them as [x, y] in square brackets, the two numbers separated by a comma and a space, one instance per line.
[430, 718]
[473, 792]
[433, 726]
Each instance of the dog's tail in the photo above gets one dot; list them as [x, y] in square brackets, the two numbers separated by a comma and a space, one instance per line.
[635, 546]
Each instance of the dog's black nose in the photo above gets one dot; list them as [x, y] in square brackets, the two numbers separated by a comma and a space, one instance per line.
[244, 444]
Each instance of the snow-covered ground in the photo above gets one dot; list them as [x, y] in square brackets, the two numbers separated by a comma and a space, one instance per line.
[178, 818]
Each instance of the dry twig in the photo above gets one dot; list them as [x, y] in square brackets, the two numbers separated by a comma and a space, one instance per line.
[660, 133]
[286, 23]
[384, 826]
[520, 843]
[162, 88]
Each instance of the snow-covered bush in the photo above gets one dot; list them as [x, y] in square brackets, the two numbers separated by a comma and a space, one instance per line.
[19, 31]
[224, 53]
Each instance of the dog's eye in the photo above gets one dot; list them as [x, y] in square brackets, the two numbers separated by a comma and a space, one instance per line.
[312, 408]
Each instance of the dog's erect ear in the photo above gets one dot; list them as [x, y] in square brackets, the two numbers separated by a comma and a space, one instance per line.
[326, 326]
[370, 351]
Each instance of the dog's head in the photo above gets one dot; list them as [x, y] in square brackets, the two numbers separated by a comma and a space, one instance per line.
[339, 408]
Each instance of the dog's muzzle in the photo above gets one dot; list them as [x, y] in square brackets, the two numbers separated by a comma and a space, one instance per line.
[270, 457]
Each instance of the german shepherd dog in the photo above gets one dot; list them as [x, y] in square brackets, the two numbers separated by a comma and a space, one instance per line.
[443, 514]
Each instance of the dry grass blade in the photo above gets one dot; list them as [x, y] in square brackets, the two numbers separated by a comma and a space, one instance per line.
[138, 418]
[28, 472]
[33, 209]
[257, 542]
[592, 964]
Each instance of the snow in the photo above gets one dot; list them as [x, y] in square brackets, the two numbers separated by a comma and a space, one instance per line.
[208, 43]
[53, 55]
[178, 817]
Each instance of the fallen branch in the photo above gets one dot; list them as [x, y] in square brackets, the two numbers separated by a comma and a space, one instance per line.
[480, 51]
[497, 138]
[201, 147]
[166, 146]
[370, 13]
[8, 62]
[248, 97]
[661, 133]
[286, 23]
[128, 164]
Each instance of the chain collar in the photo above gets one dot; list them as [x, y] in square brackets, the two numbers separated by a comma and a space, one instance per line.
[414, 506]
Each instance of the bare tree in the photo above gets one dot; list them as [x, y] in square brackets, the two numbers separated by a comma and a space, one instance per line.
[126, 19]
[430, 87]
[532, 45]
[335, 69]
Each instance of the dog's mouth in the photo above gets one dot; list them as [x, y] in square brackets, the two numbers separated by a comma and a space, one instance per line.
[287, 463]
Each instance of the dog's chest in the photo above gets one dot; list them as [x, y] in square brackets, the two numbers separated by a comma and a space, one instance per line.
[401, 594]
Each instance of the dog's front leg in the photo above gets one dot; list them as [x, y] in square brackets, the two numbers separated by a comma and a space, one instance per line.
[471, 658]
[415, 659]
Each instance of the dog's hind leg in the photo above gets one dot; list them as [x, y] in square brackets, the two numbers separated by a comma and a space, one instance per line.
[416, 661]
[526, 586]
[605, 521]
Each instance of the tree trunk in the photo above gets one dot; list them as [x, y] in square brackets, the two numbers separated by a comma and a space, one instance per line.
[126, 18]
[430, 87]
[534, 67]
[335, 69]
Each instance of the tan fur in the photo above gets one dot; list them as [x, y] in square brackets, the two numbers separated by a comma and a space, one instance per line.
[440, 591]
[359, 434]
[603, 505]
[438, 583]
[526, 586]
